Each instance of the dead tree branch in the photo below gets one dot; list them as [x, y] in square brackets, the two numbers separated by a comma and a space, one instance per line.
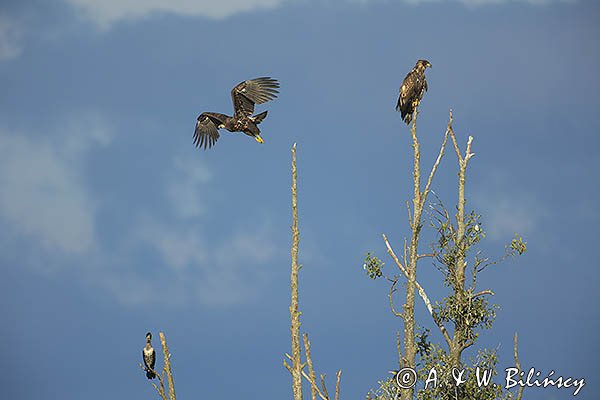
[517, 364]
[296, 368]
[420, 289]
[167, 366]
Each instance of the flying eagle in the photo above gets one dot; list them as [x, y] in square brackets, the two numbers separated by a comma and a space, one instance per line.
[149, 356]
[412, 90]
[244, 96]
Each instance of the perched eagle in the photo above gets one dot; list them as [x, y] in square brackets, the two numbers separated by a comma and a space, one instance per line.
[412, 90]
[244, 96]
[149, 356]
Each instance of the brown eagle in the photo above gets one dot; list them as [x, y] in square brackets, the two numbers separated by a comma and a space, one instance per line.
[244, 96]
[149, 357]
[413, 87]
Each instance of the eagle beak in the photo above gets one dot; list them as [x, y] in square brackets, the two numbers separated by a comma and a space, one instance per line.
[259, 139]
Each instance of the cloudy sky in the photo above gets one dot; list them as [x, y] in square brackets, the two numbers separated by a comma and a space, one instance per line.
[113, 224]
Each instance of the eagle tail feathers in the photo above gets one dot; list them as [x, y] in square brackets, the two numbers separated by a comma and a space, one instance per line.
[258, 118]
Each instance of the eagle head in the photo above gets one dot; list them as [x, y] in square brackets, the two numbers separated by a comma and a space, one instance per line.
[148, 336]
[423, 64]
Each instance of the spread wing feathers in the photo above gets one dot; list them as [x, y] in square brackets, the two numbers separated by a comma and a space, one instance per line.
[411, 93]
[255, 91]
[207, 129]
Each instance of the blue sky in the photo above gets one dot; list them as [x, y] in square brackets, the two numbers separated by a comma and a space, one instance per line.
[113, 224]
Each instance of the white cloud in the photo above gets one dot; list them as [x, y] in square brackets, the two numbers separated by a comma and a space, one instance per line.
[106, 12]
[246, 247]
[187, 188]
[507, 214]
[10, 38]
[44, 200]
[43, 193]
[193, 264]
[486, 2]
[179, 247]
[193, 268]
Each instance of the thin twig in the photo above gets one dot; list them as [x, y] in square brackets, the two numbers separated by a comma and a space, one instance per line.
[390, 295]
[161, 390]
[420, 289]
[324, 387]
[482, 293]
[313, 384]
[311, 371]
[453, 137]
[437, 162]
[425, 255]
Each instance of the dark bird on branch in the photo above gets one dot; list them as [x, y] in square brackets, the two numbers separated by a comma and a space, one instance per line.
[412, 90]
[149, 356]
[244, 96]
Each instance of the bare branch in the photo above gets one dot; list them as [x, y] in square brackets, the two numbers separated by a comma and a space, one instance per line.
[167, 366]
[160, 390]
[453, 137]
[517, 364]
[323, 386]
[483, 293]
[294, 313]
[405, 249]
[468, 153]
[468, 344]
[337, 384]
[399, 348]
[425, 255]
[313, 384]
[311, 371]
[390, 295]
[420, 289]
[437, 162]
[393, 255]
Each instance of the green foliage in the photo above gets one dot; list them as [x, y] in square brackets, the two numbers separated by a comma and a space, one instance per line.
[467, 312]
[422, 340]
[446, 388]
[517, 246]
[466, 309]
[373, 266]
[449, 248]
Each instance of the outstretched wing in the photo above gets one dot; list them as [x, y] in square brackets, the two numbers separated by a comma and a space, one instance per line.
[207, 131]
[255, 91]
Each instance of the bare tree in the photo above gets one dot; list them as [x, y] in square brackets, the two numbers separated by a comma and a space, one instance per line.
[297, 367]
